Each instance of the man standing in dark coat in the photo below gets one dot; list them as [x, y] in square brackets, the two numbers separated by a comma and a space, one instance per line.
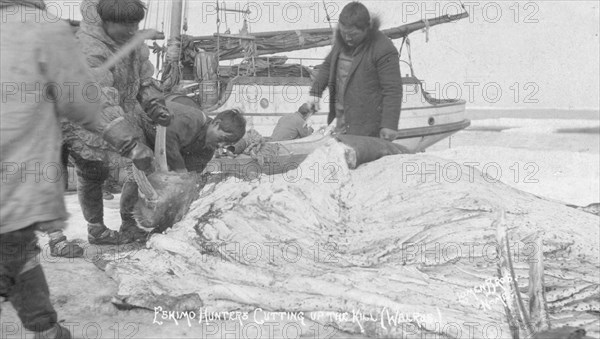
[362, 72]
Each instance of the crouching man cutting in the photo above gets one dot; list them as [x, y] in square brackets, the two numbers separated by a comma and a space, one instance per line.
[191, 141]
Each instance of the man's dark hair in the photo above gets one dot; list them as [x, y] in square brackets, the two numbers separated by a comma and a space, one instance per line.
[304, 110]
[355, 14]
[121, 11]
[232, 121]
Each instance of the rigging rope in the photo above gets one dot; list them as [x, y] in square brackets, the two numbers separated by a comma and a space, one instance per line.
[185, 15]
[168, 11]
[401, 46]
[408, 50]
[426, 29]
[178, 43]
[249, 46]
[218, 33]
[173, 52]
[327, 14]
[227, 30]
[164, 11]
[246, 14]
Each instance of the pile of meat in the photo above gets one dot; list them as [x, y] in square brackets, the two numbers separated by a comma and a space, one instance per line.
[400, 247]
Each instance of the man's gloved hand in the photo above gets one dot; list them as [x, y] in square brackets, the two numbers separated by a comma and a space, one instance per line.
[159, 113]
[387, 134]
[118, 133]
[142, 157]
[152, 99]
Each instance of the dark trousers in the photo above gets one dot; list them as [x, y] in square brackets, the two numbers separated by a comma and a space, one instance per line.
[91, 174]
[64, 159]
[22, 280]
[129, 196]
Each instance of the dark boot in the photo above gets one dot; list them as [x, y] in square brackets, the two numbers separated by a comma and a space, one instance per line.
[60, 247]
[63, 333]
[98, 234]
[132, 231]
[129, 197]
[56, 332]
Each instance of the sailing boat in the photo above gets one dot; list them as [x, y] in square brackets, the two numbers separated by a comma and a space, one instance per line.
[266, 87]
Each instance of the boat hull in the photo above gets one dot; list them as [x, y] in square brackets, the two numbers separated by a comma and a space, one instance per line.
[423, 122]
[266, 99]
[293, 152]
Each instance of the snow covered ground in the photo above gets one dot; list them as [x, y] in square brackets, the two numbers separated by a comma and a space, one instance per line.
[557, 159]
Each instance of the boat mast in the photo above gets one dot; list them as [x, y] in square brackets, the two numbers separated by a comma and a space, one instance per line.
[176, 14]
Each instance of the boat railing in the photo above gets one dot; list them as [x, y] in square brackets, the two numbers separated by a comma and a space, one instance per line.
[301, 61]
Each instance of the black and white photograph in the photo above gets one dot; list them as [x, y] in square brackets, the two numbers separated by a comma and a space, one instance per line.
[299, 169]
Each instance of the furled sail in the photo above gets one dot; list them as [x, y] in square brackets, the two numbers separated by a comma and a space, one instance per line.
[232, 46]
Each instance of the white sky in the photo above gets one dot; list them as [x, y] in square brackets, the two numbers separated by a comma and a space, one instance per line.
[507, 54]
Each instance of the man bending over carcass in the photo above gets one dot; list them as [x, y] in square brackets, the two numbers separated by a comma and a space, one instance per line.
[191, 141]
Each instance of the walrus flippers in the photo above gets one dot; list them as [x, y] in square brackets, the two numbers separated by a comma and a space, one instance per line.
[175, 194]
[366, 149]
[164, 197]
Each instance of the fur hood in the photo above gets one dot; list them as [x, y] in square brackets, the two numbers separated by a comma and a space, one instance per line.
[375, 25]
[91, 24]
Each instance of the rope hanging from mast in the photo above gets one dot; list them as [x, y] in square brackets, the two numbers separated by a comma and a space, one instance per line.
[182, 31]
[327, 14]
[218, 35]
[185, 15]
[162, 54]
[426, 29]
[248, 46]
[408, 50]
[164, 11]
[151, 21]
[173, 73]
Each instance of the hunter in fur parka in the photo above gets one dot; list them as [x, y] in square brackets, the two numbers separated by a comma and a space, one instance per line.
[371, 94]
